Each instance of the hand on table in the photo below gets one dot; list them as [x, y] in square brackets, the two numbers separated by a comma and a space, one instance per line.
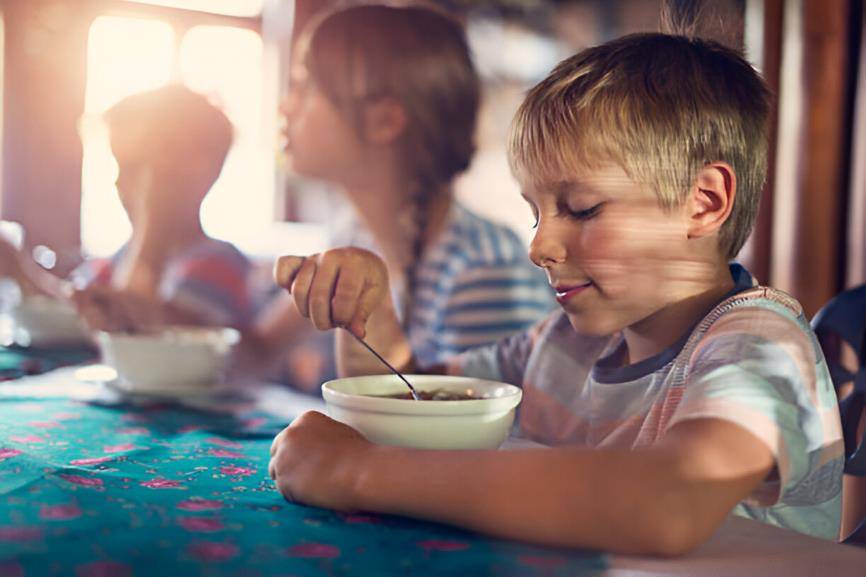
[337, 288]
[108, 309]
[316, 461]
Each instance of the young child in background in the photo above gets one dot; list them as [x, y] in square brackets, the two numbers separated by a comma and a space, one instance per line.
[170, 145]
[674, 390]
[383, 104]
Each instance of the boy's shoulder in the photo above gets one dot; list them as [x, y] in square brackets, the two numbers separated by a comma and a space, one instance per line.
[750, 321]
[754, 306]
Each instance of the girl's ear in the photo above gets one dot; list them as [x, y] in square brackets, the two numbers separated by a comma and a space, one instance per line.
[711, 199]
[384, 120]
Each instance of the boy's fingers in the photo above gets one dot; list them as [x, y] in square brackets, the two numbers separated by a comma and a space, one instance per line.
[358, 328]
[285, 270]
[301, 285]
[369, 300]
[321, 293]
[346, 297]
[93, 307]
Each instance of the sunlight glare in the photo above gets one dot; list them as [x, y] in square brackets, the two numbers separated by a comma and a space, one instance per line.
[124, 56]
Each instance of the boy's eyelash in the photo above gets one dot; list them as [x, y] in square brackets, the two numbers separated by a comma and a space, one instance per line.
[587, 213]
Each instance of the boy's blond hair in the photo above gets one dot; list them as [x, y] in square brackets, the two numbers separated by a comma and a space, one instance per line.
[660, 106]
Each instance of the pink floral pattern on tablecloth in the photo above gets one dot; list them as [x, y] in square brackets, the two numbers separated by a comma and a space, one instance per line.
[441, 545]
[8, 453]
[27, 439]
[83, 481]
[118, 448]
[314, 551]
[59, 512]
[201, 524]
[20, 534]
[161, 484]
[212, 552]
[235, 470]
[104, 569]
[91, 461]
[200, 505]
[225, 453]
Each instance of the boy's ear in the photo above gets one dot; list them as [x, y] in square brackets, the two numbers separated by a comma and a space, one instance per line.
[384, 120]
[711, 199]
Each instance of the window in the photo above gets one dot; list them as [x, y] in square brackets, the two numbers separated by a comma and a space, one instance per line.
[124, 56]
[128, 55]
[227, 7]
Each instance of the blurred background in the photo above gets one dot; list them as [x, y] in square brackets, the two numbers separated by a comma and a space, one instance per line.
[66, 61]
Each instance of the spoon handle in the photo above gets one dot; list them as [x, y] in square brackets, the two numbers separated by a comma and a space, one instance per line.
[387, 364]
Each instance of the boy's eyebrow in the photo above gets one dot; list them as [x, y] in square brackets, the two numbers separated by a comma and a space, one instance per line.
[564, 187]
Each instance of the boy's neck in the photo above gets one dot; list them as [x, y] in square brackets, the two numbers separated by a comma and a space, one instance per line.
[160, 238]
[662, 329]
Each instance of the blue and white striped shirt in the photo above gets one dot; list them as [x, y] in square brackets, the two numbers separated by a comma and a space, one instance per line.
[475, 285]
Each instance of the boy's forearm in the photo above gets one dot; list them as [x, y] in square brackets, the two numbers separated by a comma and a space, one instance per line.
[35, 280]
[623, 501]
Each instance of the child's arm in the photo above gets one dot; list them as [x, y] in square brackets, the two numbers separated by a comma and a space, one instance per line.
[31, 278]
[663, 500]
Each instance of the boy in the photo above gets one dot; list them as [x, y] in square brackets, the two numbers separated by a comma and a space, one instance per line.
[674, 391]
[170, 144]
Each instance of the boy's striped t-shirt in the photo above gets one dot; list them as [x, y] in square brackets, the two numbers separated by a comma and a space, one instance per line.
[210, 279]
[475, 285]
[752, 361]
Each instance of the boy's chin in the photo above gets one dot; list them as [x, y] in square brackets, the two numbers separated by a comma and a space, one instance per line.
[593, 325]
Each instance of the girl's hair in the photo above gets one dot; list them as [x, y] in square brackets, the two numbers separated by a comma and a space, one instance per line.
[418, 56]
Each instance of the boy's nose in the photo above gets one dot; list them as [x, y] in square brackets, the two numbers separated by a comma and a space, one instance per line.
[546, 249]
[288, 105]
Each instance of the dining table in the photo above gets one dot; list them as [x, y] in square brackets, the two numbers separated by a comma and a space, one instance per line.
[95, 482]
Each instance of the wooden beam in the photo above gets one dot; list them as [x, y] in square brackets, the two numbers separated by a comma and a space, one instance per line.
[44, 79]
[761, 241]
[856, 253]
[810, 181]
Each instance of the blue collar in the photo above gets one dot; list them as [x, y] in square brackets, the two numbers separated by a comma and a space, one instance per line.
[609, 370]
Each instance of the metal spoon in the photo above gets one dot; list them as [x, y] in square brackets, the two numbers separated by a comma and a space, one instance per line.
[387, 364]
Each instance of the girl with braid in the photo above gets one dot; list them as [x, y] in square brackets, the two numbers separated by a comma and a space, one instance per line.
[383, 103]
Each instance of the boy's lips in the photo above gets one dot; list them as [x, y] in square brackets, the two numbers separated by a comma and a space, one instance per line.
[564, 292]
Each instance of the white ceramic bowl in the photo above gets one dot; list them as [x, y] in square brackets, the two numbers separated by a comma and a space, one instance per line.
[175, 361]
[41, 321]
[482, 423]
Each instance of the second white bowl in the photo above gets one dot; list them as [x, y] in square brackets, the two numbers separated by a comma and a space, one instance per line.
[175, 361]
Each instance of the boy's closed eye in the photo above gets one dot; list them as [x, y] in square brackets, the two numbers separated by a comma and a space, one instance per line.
[581, 214]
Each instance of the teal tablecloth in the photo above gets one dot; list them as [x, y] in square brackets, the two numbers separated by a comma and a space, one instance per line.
[18, 362]
[90, 490]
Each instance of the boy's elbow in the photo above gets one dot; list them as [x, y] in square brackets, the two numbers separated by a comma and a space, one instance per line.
[671, 529]
[672, 540]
